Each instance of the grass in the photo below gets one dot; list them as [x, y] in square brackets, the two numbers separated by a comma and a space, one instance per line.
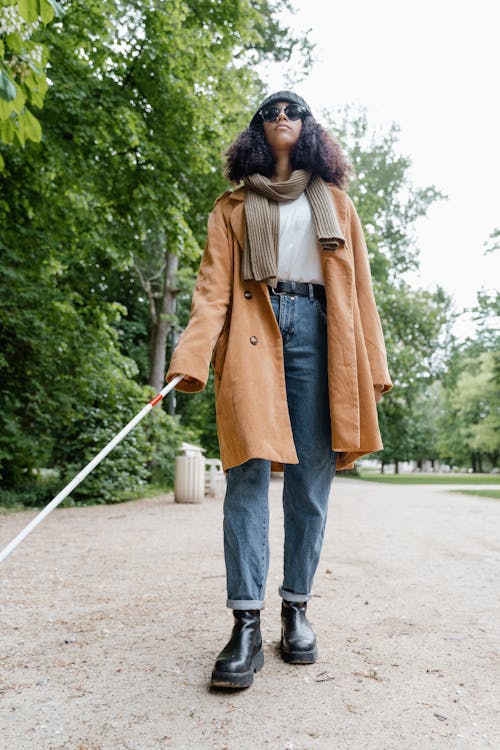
[431, 478]
[495, 494]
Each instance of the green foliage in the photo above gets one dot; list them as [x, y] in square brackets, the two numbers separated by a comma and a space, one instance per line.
[35, 492]
[141, 97]
[486, 314]
[477, 402]
[469, 425]
[23, 63]
[117, 175]
[165, 434]
[67, 388]
[468, 420]
[115, 400]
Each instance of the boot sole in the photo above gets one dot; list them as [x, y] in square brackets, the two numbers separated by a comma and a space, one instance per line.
[299, 657]
[238, 680]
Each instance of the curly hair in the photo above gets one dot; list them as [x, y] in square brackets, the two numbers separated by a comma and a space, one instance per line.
[316, 151]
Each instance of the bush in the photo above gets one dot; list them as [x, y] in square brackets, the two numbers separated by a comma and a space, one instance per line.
[165, 434]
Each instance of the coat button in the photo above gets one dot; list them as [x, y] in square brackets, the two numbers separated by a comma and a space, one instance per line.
[248, 295]
[254, 340]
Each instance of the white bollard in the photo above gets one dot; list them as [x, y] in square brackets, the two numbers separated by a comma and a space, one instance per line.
[189, 485]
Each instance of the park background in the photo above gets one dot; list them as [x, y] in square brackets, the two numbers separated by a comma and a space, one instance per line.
[113, 121]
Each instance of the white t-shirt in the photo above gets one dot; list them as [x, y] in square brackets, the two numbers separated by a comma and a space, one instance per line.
[298, 258]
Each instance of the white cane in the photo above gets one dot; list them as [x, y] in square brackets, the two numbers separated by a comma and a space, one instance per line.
[90, 466]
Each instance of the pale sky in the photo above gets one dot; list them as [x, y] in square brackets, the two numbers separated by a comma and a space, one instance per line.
[432, 67]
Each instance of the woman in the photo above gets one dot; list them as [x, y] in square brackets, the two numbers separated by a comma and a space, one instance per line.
[283, 308]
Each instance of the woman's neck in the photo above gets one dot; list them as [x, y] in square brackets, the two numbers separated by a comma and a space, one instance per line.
[282, 168]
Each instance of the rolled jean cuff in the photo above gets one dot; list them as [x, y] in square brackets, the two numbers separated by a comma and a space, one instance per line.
[245, 604]
[289, 596]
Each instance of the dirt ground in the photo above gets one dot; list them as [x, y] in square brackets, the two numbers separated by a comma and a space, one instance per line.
[111, 617]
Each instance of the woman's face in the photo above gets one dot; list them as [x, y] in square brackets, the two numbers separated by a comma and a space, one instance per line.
[282, 134]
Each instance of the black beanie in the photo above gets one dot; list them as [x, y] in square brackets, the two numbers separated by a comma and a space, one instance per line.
[279, 96]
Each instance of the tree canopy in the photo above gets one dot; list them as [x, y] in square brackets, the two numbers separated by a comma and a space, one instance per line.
[113, 119]
[142, 96]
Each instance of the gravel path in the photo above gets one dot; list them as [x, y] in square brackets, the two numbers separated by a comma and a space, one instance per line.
[111, 617]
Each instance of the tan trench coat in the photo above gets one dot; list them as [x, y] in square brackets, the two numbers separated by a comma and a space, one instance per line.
[233, 325]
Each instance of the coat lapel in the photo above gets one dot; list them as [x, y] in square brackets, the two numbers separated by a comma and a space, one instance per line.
[237, 222]
[237, 217]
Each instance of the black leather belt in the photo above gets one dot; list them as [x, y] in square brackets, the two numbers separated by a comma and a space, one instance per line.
[299, 288]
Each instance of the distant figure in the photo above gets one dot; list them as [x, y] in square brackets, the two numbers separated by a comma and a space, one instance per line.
[284, 309]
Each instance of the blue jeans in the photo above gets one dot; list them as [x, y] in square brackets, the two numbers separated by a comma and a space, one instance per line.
[306, 487]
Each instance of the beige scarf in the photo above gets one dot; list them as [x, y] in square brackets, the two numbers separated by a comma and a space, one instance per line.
[260, 256]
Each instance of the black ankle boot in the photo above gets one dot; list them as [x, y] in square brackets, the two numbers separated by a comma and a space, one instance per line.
[242, 655]
[298, 642]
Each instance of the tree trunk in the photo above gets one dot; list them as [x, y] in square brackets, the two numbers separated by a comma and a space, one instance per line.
[165, 308]
[396, 467]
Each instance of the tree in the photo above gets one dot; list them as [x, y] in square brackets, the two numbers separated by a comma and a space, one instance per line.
[168, 85]
[141, 97]
[486, 314]
[477, 401]
[469, 421]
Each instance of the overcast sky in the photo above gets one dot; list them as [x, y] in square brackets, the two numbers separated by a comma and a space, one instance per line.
[432, 67]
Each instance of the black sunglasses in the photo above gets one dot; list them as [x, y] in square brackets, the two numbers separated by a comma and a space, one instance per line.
[292, 111]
